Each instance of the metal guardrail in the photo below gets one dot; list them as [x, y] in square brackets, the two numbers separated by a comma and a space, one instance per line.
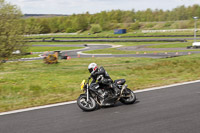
[113, 40]
[51, 34]
[171, 30]
[115, 36]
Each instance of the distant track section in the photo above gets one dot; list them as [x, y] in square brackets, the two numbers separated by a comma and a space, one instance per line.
[113, 40]
[115, 36]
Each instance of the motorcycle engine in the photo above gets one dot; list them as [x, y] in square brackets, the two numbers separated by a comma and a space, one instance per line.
[103, 94]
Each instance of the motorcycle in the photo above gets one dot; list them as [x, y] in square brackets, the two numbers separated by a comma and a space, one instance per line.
[92, 98]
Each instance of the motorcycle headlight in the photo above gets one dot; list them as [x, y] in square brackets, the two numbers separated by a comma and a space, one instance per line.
[82, 84]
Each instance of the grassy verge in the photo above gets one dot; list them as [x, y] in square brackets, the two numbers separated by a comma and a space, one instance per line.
[55, 43]
[78, 43]
[28, 84]
[113, 38]
[30, 56]
[116, 51]
[176, 45]
[158, 45]
[42, 49]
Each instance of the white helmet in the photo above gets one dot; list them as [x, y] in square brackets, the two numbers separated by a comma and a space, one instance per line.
[92, 67]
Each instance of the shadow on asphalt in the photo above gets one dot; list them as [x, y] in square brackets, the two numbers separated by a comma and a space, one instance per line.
[118, 104]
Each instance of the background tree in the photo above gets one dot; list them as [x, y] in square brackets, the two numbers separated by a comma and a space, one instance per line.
[81, 23]
[135, 26]
[109, 20]
[12, 30]
[103, 20]
[96, 28]
[44, 26]
[31, 26]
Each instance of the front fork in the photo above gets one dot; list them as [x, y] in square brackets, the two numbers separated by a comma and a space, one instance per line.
[123, 88]
[87, 93]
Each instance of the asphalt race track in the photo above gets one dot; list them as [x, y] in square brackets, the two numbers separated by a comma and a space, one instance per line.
[88, 47]
[169, 110]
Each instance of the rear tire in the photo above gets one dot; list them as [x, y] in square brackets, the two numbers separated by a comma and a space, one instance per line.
[84, 105]
[129, 98]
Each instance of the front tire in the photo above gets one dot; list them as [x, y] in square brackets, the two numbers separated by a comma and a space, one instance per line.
[84, 105]
[129, 97]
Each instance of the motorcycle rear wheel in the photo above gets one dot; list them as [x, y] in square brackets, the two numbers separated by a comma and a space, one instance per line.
[129, 98]
[84, 105]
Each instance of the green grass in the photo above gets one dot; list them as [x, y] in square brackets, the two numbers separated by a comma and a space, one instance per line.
[79, 43]
[109, 51]
[116, 51]
[55, 43]
[111, 34]
[112, 38]
[30, 56]
[42, 49]
[172, 45]
[158, 45]
[28, 84]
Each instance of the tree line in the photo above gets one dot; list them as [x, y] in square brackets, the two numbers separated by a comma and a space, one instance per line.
[12, 29]
[108, 20]
[13, 26]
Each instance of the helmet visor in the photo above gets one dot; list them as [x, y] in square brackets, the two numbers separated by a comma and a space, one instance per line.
[90, 70]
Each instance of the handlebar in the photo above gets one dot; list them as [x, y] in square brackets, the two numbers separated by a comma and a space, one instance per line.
[89, 78]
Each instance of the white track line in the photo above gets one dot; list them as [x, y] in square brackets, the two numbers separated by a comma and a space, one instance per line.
[113, 46]
[167, 86]
[36, 108]
[80, 53]
[72, 102]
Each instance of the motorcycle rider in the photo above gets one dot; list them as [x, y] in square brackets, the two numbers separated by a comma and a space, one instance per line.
[100, 75]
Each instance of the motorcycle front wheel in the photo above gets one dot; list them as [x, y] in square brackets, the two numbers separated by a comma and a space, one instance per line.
[86, 105]
[129, 97]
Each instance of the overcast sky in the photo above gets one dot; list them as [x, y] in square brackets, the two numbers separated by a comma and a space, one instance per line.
[94, 6]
